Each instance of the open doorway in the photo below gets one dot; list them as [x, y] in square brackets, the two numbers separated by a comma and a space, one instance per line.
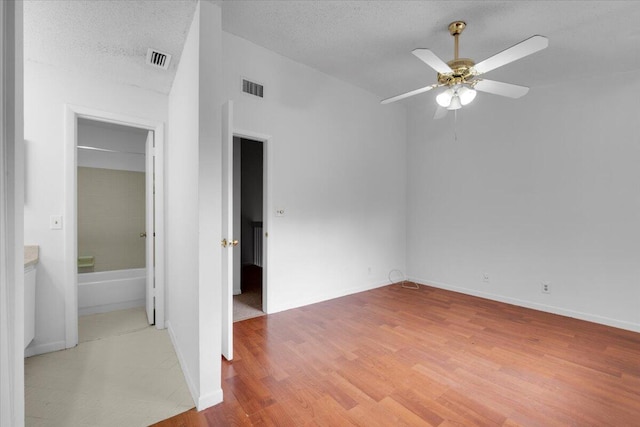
[248, 203]
[115, 241]
[153, 275]
[231, 223]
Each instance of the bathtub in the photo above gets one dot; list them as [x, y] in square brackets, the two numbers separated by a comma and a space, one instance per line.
[111, 290]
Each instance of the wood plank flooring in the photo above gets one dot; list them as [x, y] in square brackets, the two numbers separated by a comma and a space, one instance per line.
[427, 357]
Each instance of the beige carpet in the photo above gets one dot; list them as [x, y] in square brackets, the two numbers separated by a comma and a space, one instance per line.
[105, 325]
[247, 305]
[123, 373]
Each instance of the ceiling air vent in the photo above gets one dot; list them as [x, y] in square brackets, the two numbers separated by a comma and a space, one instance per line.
[158, 59]
[252, 88]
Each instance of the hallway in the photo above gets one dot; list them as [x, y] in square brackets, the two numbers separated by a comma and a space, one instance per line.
[123, 372]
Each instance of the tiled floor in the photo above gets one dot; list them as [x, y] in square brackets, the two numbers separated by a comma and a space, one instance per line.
[123, 373]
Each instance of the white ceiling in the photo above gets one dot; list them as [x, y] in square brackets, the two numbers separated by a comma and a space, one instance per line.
[108, 39]
[366, 43]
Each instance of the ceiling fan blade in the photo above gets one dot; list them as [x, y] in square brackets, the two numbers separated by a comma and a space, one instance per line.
[408, 94]
[432, 60]
[515, 52]
[500, 88]
[440, 113]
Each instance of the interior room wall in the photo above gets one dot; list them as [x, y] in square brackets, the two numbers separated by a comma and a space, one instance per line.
[193, 221]
[539, 189]
[251, 197]
[210, 204]
[47, 90]
[338, 169]
[181, 195]
[111, 216]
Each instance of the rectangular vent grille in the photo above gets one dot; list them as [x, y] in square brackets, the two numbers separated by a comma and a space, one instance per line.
[252, 88]
[158, 59]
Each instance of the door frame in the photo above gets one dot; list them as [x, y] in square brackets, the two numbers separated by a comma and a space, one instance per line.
[70, 221]
[149, 226]
[267, 142]
[11, 215]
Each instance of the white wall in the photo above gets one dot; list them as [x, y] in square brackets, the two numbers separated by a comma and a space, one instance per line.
[544, 188]
[181, 195]
[125, 140]
[210, 205]
[47, 90]
[11, 202]
[338, 169]
[193, 221]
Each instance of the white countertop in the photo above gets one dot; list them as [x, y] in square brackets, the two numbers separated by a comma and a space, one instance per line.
[31, 255]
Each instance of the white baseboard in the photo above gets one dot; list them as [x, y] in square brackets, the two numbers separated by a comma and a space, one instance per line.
[34, 350]
[622, 324]
[187, 377]
[201, 402]
[326, 296]
[209, 400]
[105, 308]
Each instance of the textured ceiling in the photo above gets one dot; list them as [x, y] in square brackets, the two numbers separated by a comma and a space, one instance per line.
[108, 39]
[369, 43]
[366, 43]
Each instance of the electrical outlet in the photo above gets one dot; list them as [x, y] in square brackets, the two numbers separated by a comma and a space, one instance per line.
[485, 277]
[545, 287]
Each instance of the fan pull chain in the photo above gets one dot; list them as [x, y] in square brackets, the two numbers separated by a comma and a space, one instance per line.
[455, 125]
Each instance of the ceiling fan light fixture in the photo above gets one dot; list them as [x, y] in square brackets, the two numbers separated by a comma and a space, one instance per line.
[466, 95]
[444, 98]
[455, 103]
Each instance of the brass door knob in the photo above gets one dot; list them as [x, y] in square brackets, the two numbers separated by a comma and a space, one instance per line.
[229, 243]
[143, 234]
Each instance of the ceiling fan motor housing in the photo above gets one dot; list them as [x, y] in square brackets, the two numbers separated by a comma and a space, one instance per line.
[462, 70]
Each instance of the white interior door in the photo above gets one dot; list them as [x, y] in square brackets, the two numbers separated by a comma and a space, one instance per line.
[228, 240]
[150, 229]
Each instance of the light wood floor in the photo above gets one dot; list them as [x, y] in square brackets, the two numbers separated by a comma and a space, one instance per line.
[395, 357]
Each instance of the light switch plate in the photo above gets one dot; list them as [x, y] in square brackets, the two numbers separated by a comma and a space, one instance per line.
[55, 222]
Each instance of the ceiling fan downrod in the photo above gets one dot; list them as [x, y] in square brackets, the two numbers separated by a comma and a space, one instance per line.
[455, 29]
[461, 68]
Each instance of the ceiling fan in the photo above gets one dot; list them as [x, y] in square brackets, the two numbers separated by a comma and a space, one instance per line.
[462, 75]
